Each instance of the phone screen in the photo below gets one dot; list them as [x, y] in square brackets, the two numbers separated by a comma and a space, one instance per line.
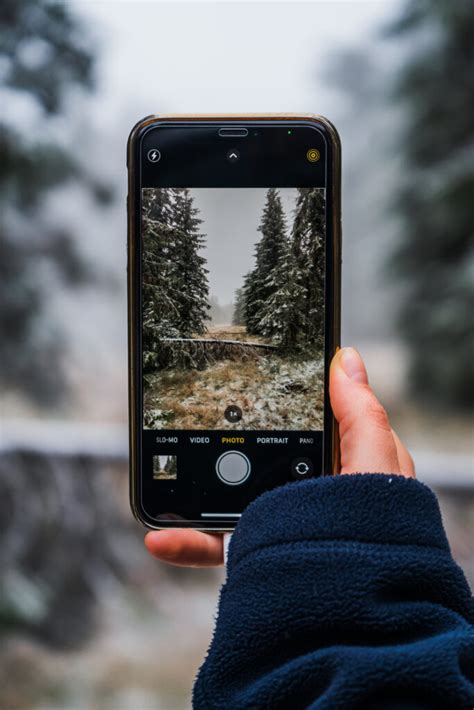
[232, 285]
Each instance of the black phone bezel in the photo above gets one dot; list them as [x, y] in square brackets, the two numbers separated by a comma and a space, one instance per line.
[333, 286]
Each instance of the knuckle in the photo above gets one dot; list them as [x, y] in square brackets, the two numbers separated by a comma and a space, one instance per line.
[378, 415]
[369, 410]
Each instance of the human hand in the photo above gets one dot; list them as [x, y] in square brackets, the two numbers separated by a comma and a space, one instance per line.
[368, 445]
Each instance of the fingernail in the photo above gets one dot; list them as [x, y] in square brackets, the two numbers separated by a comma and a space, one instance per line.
[353, 366]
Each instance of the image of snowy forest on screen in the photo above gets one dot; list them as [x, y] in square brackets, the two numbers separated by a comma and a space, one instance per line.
[233, 308]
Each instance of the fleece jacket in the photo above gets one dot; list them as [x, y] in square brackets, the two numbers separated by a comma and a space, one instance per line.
[341, 592]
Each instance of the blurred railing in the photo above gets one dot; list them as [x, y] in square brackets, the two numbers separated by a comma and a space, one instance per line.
[67, 536]
[109, 442]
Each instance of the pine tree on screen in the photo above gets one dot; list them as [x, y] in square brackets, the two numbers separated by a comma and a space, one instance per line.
[172, 468]
[238, 317]
[258, 284]
[281, 318]
[159, 308]
[249, 310]
[190, 277]
[308, 245]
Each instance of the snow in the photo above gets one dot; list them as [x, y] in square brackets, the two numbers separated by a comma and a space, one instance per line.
[273, 393]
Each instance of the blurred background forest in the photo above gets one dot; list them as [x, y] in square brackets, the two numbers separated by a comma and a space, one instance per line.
[86, 619]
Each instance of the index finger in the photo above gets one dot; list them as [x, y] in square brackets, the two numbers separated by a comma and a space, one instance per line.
[186, 548]
[405, 460]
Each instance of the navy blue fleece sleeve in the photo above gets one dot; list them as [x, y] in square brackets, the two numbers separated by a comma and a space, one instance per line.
[341, 593]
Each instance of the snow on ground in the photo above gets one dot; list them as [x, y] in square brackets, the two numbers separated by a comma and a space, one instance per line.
[273, 393]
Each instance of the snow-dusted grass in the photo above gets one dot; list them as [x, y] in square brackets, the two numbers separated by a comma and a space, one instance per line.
[273, 392]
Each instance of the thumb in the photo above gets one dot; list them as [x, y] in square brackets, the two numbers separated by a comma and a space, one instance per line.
[366, 439]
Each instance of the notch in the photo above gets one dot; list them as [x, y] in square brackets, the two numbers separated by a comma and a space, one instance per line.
[233, 132]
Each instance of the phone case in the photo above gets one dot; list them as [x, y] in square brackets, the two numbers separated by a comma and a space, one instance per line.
[332, 457]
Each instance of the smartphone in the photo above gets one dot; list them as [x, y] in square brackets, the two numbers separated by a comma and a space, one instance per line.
[234, 259]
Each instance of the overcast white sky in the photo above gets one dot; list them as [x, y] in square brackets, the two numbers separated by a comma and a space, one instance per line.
[231, 217]
[223, 56]
[155, 57]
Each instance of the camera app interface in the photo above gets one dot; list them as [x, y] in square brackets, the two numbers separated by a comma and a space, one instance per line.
[233, 286]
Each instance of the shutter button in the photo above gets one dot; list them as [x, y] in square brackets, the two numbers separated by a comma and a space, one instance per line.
[233, 468]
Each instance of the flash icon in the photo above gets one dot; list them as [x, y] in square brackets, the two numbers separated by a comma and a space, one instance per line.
[153, 155]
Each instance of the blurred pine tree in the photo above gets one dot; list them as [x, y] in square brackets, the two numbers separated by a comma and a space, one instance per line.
[435, 256]
[44, 54]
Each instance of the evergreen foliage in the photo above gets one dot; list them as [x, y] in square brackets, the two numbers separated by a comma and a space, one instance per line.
[282, 298]
[258, 283]
[238, 317]
[436, 252]
[308, 245]
[170, 466]
[32, 166]
[280, 317]
[190, 282]
[175, 285]
[284, 294]
[160, 314]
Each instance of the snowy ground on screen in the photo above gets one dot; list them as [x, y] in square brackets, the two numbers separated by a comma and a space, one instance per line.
[273, 392]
